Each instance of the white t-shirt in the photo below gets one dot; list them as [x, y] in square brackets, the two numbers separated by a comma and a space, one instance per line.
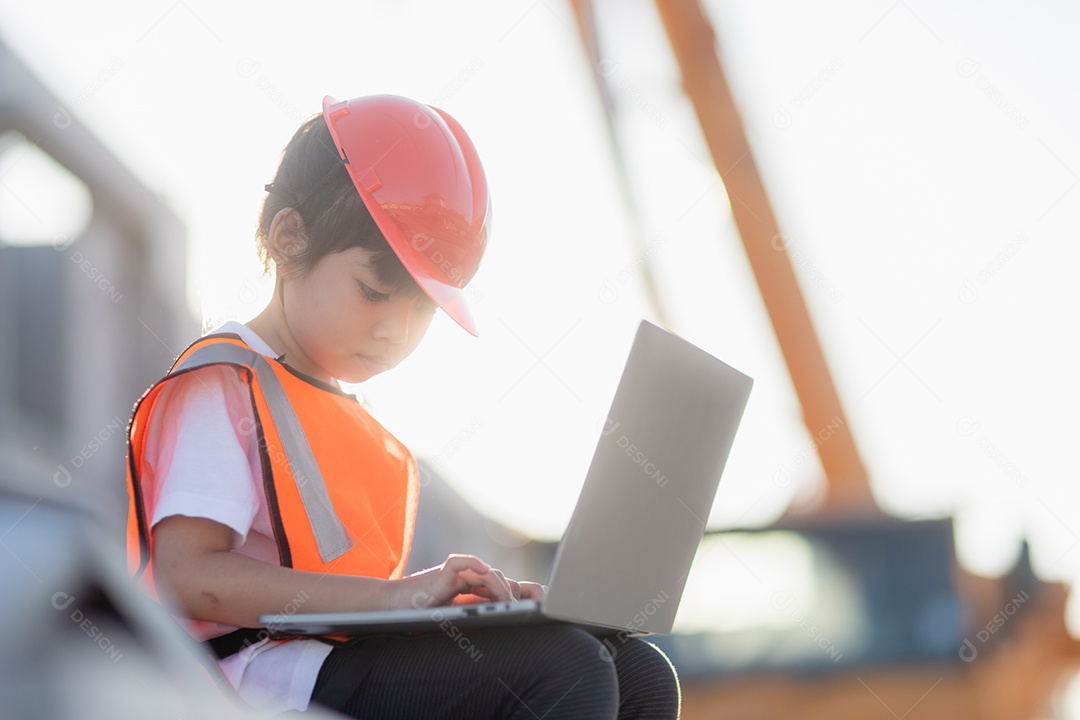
[203, 456]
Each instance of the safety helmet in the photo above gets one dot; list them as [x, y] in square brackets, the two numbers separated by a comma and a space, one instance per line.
[421, 179]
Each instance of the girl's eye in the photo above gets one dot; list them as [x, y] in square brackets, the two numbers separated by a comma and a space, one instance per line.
[371, 294]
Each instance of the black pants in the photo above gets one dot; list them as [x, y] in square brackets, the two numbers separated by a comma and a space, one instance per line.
[545, 671]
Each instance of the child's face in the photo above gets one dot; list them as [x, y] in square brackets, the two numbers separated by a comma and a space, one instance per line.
[346, 323]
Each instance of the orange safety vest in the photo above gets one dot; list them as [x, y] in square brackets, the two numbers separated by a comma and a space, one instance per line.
[341, 490]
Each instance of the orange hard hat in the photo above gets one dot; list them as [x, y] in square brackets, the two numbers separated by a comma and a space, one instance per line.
[421, 179]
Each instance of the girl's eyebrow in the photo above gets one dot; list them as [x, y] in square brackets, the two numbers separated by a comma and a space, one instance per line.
[385, 287]
[365, 264]
[390, 283]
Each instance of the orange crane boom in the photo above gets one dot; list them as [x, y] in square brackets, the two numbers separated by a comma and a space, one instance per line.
[694, 44]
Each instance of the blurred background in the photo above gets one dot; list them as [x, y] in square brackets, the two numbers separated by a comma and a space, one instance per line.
[922, 163]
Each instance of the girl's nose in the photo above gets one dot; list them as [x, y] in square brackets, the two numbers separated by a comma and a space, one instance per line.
[393, 325]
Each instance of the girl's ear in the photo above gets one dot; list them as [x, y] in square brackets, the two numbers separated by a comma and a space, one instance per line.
[287, 239]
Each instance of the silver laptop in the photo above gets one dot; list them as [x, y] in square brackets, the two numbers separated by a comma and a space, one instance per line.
[622, 564]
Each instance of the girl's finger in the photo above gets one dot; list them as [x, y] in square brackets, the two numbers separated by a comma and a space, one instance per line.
[470, 581]
[457, 563]
[532, 591]
[497, 585]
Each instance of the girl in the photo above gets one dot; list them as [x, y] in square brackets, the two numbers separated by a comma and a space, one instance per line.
[257, 486]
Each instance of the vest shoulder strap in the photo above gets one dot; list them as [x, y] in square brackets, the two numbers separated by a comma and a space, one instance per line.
[331, 537]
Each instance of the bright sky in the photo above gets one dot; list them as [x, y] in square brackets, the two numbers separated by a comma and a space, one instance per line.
[922, 158]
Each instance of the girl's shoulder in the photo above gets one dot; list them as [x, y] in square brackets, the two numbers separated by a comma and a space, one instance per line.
[209, 390]
[214, 380]
[249, 337]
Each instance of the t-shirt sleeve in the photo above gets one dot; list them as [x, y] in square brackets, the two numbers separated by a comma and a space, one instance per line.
[202, 451]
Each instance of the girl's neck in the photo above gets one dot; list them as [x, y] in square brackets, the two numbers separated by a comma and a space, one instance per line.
[263, 326]
[272, 327]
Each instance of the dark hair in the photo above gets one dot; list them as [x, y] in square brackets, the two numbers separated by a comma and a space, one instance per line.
[312, 179]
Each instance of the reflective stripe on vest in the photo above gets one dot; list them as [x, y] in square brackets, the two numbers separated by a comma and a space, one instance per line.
[330, 534]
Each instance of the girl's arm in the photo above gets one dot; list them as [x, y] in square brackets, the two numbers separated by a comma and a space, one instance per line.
[192, 558]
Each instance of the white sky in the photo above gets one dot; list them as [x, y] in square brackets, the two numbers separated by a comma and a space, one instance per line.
[922, 158]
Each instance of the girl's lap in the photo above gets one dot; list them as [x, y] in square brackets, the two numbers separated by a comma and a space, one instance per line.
[536, 671]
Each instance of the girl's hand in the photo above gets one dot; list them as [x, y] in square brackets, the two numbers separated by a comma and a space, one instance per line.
[521, 590]
[442, 584]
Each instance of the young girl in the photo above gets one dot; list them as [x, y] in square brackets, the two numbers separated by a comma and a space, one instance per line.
[258, 487]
